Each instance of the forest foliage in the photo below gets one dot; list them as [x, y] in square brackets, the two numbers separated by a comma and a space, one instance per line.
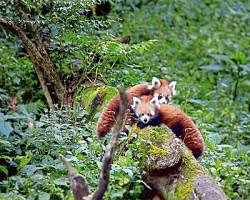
[203, 45]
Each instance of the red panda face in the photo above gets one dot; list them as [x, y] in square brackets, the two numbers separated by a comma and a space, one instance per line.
[145, 108]
[163, 90]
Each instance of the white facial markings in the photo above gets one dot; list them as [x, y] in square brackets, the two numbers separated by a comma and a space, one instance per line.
[152, 113]
[156, 82]
[145, 119]
[145, 111]
[172, 87]
[163, 101]
[136, 102]
[155, 101]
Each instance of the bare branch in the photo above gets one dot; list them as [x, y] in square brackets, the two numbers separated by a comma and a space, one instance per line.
[79, 185]
[110, 151]
[13, 28]
[32, 28]
[36, 57]
[44, 86]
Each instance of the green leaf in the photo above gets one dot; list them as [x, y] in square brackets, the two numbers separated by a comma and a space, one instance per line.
[5, 128]
[37, 178]
[129, 172]
[198, 102]
[44, 196]
[29, 170]
[212, 68]
[4, 144]
[24, 160]
[216, 138]
[62, 181]
[4, 169]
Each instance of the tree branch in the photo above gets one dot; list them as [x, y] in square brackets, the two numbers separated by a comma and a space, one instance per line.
[44, 86]
[33, 52]
[79, 185]
[110, 152]
[13, 28]
[32, 29]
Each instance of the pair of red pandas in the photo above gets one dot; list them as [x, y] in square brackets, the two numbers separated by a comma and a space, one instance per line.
[148, 105]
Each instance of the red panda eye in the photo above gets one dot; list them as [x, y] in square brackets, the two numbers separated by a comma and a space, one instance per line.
[160, 96]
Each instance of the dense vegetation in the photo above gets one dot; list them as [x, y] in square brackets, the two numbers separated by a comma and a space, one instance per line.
[203, 45]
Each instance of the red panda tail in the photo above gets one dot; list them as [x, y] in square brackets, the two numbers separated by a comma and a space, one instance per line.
[194, 141]
[108, 117]
[183, 127]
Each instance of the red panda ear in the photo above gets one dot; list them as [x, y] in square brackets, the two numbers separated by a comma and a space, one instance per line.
[156, 83]
[136, 102]
[155, 102]
[172, 85]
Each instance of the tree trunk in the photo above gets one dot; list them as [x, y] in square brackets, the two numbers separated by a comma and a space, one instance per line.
[172, 172]
[47, 75]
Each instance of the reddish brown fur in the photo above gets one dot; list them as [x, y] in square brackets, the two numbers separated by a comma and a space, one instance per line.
[164, 89]
[177, 121]
[108, 117]
[183, 126]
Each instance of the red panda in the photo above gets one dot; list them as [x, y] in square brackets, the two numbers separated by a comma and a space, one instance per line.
[164, 90]
[148, 111]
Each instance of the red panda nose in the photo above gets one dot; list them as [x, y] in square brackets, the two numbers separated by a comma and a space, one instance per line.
[145, 120]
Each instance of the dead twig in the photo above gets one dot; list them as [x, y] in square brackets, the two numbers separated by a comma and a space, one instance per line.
[110, 152]
[79, 185]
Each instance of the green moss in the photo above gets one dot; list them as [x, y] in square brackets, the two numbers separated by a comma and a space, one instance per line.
[190, 167]
[184, 189]
[156, 151]
[190, 171]
[150, 146]
[155, 142]
[157, 134]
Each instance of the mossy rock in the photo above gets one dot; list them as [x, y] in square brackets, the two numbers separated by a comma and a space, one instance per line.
[94, 99]
[172, 171]
[158, 146]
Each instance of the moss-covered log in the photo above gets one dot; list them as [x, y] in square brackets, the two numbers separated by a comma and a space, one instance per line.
[171, 170]
[168, 167]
